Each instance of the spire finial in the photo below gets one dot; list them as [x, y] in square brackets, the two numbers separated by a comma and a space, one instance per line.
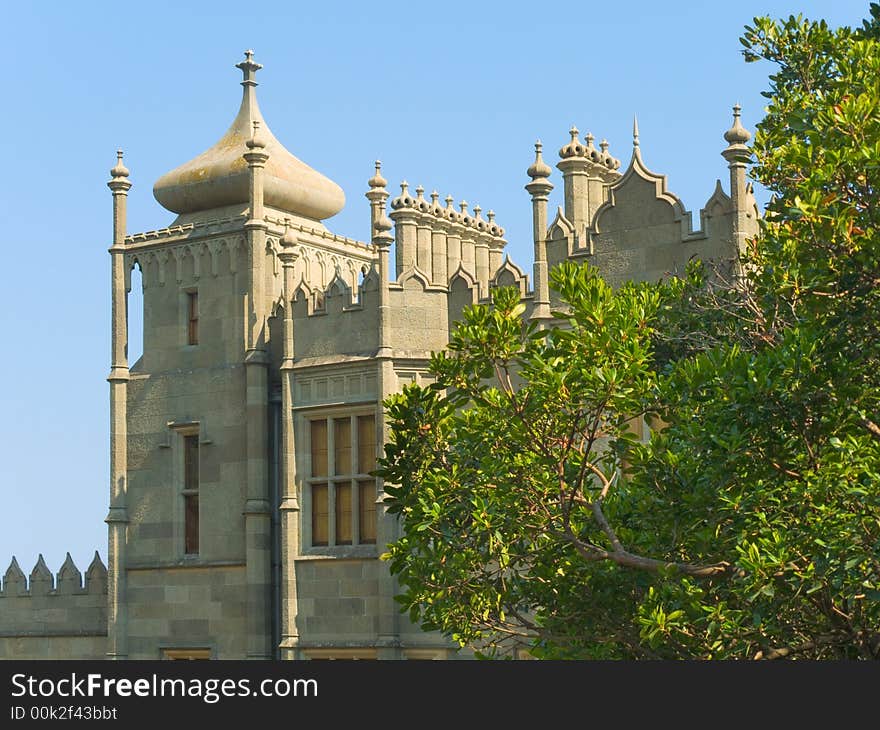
[377, 181]
[435, 196]
[120, 170]
[574, 132]
[590, 138]
[635, 131]
[737, 134]
[249, 68]
[539, 168]
[449, 200]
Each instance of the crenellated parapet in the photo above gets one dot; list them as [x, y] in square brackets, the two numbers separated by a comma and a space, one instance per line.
[437, 239]
[66, 604]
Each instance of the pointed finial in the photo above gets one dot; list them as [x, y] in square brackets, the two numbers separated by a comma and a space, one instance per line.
[737, 134]
[603, 145]
[120, 170]
[420, 192]
[377, 181]
[404, 187]
[574, 132]
[589, 138]
[463, 206]
[449, 200]
[491, 216]
[435, 196]
[635, 131]
[477, 210]
[539, 168]
[249, 69]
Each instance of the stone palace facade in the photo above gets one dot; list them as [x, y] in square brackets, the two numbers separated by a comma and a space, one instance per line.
[244, 521]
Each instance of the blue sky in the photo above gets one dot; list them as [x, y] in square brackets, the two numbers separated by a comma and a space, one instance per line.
[450, 95]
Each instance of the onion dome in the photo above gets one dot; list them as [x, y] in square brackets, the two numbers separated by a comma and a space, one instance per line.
[377, 181]
[574, 148]
[404, 200]
[587, 151]
[539, 168]
[119, 170]
[220, 176]
[436, 210]
[737, 134]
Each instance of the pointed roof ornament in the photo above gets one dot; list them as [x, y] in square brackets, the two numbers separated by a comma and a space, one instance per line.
[635, 131]
[377, 181]
[217, 178]
[574, 147]
[13, 572]
[69, 572]
[737, 134]
[249, 69]
[120, 170]
[539, 168]
[96, 567]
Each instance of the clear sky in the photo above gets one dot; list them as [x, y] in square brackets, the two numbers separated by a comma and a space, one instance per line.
[448, 94]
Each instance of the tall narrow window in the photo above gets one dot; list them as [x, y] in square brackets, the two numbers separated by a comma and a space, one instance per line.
[192, 315]
[191, 494]
[343, 451]
[320, 499]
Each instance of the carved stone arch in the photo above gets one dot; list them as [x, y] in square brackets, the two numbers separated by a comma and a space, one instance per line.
[712, 214]
[273, 248]
[370, 280]
[337, 294]
[129, 262]
[319, 275]
[414, 277]
[277, 307]
[638, 174]
[560, 228]
[302, 298]
[509, 274]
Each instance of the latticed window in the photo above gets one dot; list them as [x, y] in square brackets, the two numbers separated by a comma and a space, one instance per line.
[343, 452]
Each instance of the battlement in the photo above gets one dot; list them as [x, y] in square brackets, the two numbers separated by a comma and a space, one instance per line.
[438, 240]
[66, 604]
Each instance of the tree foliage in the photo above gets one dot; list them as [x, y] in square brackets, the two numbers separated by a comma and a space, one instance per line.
[749, 525]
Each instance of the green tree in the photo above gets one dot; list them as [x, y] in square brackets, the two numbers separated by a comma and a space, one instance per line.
[749, 526]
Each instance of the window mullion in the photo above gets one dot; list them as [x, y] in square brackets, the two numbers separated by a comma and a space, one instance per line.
[331, 483]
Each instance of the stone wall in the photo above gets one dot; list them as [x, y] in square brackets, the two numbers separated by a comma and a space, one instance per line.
[54, 617]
